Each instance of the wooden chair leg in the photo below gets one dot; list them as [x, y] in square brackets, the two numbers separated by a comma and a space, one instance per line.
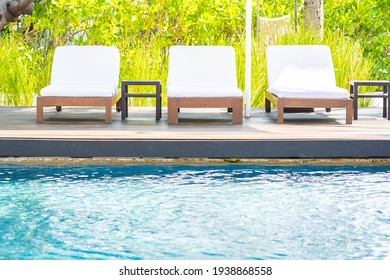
[39, 111]
[173, 115]
[108, 112]
[237, 112]
[349, 112]
[118, 105]
[267, 106]
[280, 107]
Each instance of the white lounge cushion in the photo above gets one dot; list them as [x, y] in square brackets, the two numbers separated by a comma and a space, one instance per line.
[302, 72]
[84, 71]
[290, 65]
[204, 91]
[98, 90]
[202, 71]
[293, 76]
[309, 92]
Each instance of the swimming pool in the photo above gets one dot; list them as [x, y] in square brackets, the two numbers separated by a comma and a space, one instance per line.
[194, 212]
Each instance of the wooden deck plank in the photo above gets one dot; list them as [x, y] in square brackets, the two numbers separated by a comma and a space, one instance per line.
[80, 123]
[210, 130]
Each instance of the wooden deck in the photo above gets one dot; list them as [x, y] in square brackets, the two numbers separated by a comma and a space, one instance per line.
[201, 133]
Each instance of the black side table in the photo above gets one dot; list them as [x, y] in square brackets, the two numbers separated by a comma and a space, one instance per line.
[126, 95]
[354, 91]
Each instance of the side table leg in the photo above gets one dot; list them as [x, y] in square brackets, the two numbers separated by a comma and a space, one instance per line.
[158, 102]
[124, 107]
[354, 89]
[386, 91]
[385, 101]
[158, 108]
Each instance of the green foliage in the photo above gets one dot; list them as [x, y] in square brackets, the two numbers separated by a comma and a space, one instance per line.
[368, 22]
[275, 8]
[23, 72]
[173, 21]
[143, 31]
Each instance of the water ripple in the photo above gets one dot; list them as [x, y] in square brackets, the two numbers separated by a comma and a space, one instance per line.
[194, 212]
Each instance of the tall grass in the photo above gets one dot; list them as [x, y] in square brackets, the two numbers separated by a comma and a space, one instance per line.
[25, 69]
[144, 30]
[23, 72]
[146, 61]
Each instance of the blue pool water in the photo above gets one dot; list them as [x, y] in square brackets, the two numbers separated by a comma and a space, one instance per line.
[194, 212]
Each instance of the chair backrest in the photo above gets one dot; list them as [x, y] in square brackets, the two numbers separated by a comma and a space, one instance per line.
[303, 65]
[202, 66]
[83, 65]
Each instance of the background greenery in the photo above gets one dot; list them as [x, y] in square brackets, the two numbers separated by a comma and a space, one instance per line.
[356, 31]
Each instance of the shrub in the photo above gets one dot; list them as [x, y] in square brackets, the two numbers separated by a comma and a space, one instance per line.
[144, 30]
[366, 21]
[23, 71]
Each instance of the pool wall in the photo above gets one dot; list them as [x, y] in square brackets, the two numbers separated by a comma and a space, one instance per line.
[214, 149]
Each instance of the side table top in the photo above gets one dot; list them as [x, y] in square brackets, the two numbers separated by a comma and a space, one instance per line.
[370, 83]
[141, 82]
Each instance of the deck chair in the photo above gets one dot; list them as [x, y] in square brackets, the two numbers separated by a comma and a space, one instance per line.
[82, 76]
[203, 77]
[303, 77]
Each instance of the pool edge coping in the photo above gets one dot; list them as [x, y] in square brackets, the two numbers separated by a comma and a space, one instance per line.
[193, 161]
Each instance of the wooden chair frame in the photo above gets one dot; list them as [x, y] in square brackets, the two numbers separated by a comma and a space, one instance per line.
[233, 103]
[60, 101]
[203, 77]
[282, 103]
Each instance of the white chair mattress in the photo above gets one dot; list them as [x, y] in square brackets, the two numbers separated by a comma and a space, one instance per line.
[196, 91]
[103, 90]
[309, 92]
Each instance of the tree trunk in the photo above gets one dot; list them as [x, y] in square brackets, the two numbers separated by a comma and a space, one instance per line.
[313, 15]
[10, 10]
